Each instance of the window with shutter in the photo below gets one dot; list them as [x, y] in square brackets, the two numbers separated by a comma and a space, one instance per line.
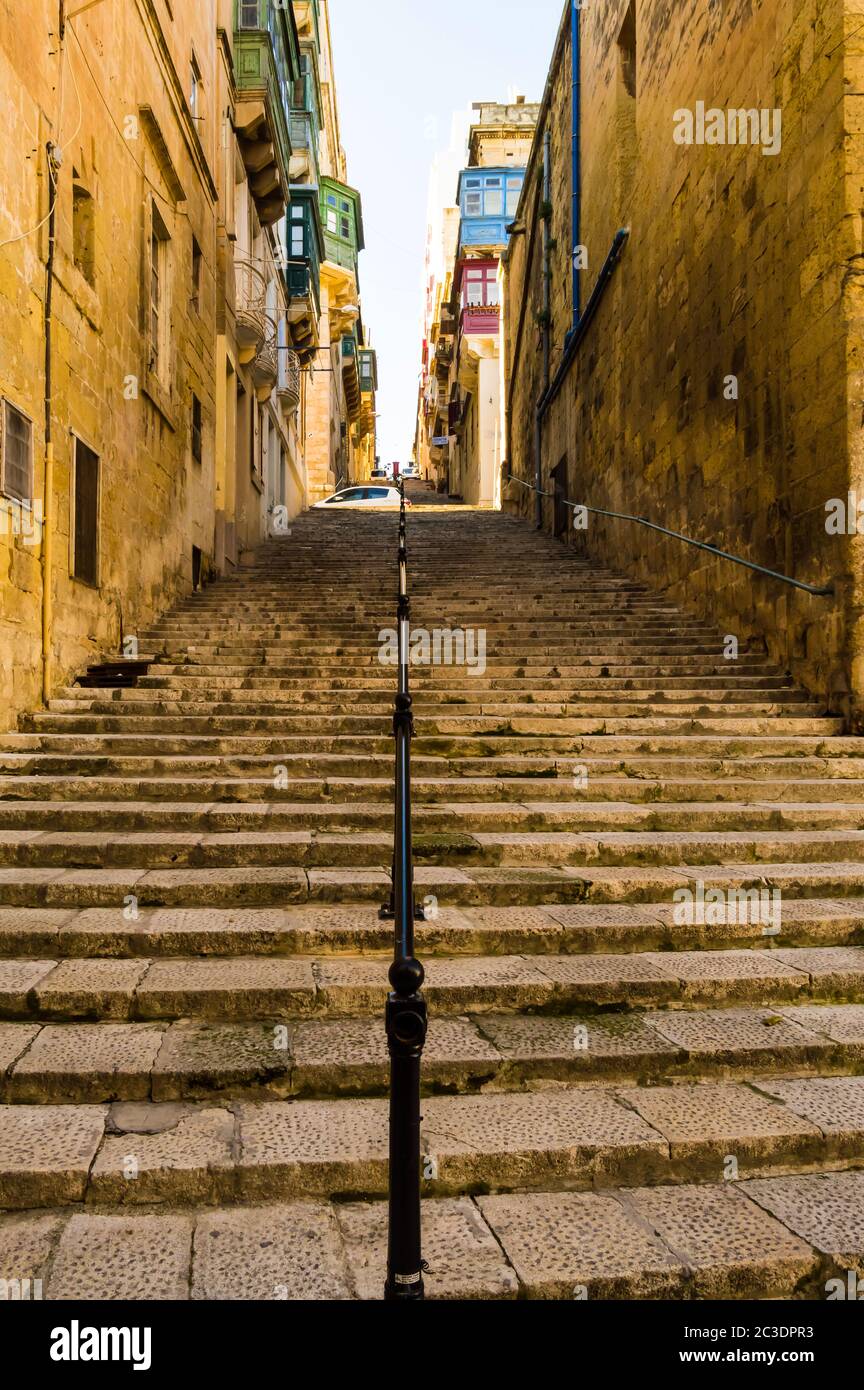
[159, 309]
[17, 455]
[86, 559]
[197, 430]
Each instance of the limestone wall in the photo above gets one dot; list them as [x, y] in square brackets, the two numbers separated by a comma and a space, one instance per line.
[155, 501]
[740, 264]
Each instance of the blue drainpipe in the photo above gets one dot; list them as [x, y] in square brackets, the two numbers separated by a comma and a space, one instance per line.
[576, 46]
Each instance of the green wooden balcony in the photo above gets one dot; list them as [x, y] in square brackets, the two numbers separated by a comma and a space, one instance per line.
[337, 252]
[301, 283]
[368, 371]
[342, 221]
[266, 65]
[351, 377]
[304, 147]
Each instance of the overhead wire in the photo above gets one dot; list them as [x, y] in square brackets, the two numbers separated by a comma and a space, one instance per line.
[10, 241]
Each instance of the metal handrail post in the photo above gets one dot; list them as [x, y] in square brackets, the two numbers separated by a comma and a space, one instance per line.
[406, 1016]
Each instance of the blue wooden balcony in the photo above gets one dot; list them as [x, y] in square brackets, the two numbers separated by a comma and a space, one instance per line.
[484, 231]
[488, 199]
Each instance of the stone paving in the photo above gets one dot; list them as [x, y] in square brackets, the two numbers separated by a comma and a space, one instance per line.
[643, 870]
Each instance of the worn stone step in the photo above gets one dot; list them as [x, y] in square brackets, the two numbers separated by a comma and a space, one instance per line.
[449, 680]
[348, 986]
[763, 1238]
[113, 831]
[375, 705]
[116, 719]
[95, 1063]
[828, 754]
[575, 801]
[133, 1153]
[446, 848]
[501, 886]
[472, 702]
[595, 672]
[750, 919]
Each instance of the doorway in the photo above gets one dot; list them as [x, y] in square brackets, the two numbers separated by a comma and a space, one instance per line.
[560, 487]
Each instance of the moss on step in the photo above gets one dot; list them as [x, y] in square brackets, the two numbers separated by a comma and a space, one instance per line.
[430, 847]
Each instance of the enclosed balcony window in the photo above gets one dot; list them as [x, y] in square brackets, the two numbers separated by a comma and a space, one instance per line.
[494, 197]
[491, 195]
[514, 192]
[473, 198]
[368, 371]
[480, 287]
[248, 14]
[298, 233]
[339, 218]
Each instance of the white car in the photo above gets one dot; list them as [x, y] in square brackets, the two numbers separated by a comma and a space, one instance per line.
[365, 496]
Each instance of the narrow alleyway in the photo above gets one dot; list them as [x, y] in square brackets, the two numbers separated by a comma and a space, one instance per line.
[195, 970]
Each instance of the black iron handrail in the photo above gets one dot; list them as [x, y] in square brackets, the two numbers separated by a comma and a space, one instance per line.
[678, 536]
[406, 1018]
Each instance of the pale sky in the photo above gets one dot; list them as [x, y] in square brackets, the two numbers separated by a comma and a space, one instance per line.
[403, 67]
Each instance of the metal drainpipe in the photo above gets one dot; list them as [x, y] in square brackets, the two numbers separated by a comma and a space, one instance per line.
[48, 488]
[547, 326]
[547, 267]
[576, 45]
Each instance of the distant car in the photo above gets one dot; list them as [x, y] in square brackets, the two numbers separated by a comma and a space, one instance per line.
[379, 473]
[363, 497]
[410, 471]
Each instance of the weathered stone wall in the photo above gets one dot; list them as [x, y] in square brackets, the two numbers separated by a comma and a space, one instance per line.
[155, 501]
[739, 264]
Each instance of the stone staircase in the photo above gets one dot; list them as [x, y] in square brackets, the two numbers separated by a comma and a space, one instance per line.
[623, 1100]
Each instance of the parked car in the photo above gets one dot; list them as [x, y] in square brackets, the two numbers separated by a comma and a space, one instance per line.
[379, 473]
[410, 471]
[364, 497]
